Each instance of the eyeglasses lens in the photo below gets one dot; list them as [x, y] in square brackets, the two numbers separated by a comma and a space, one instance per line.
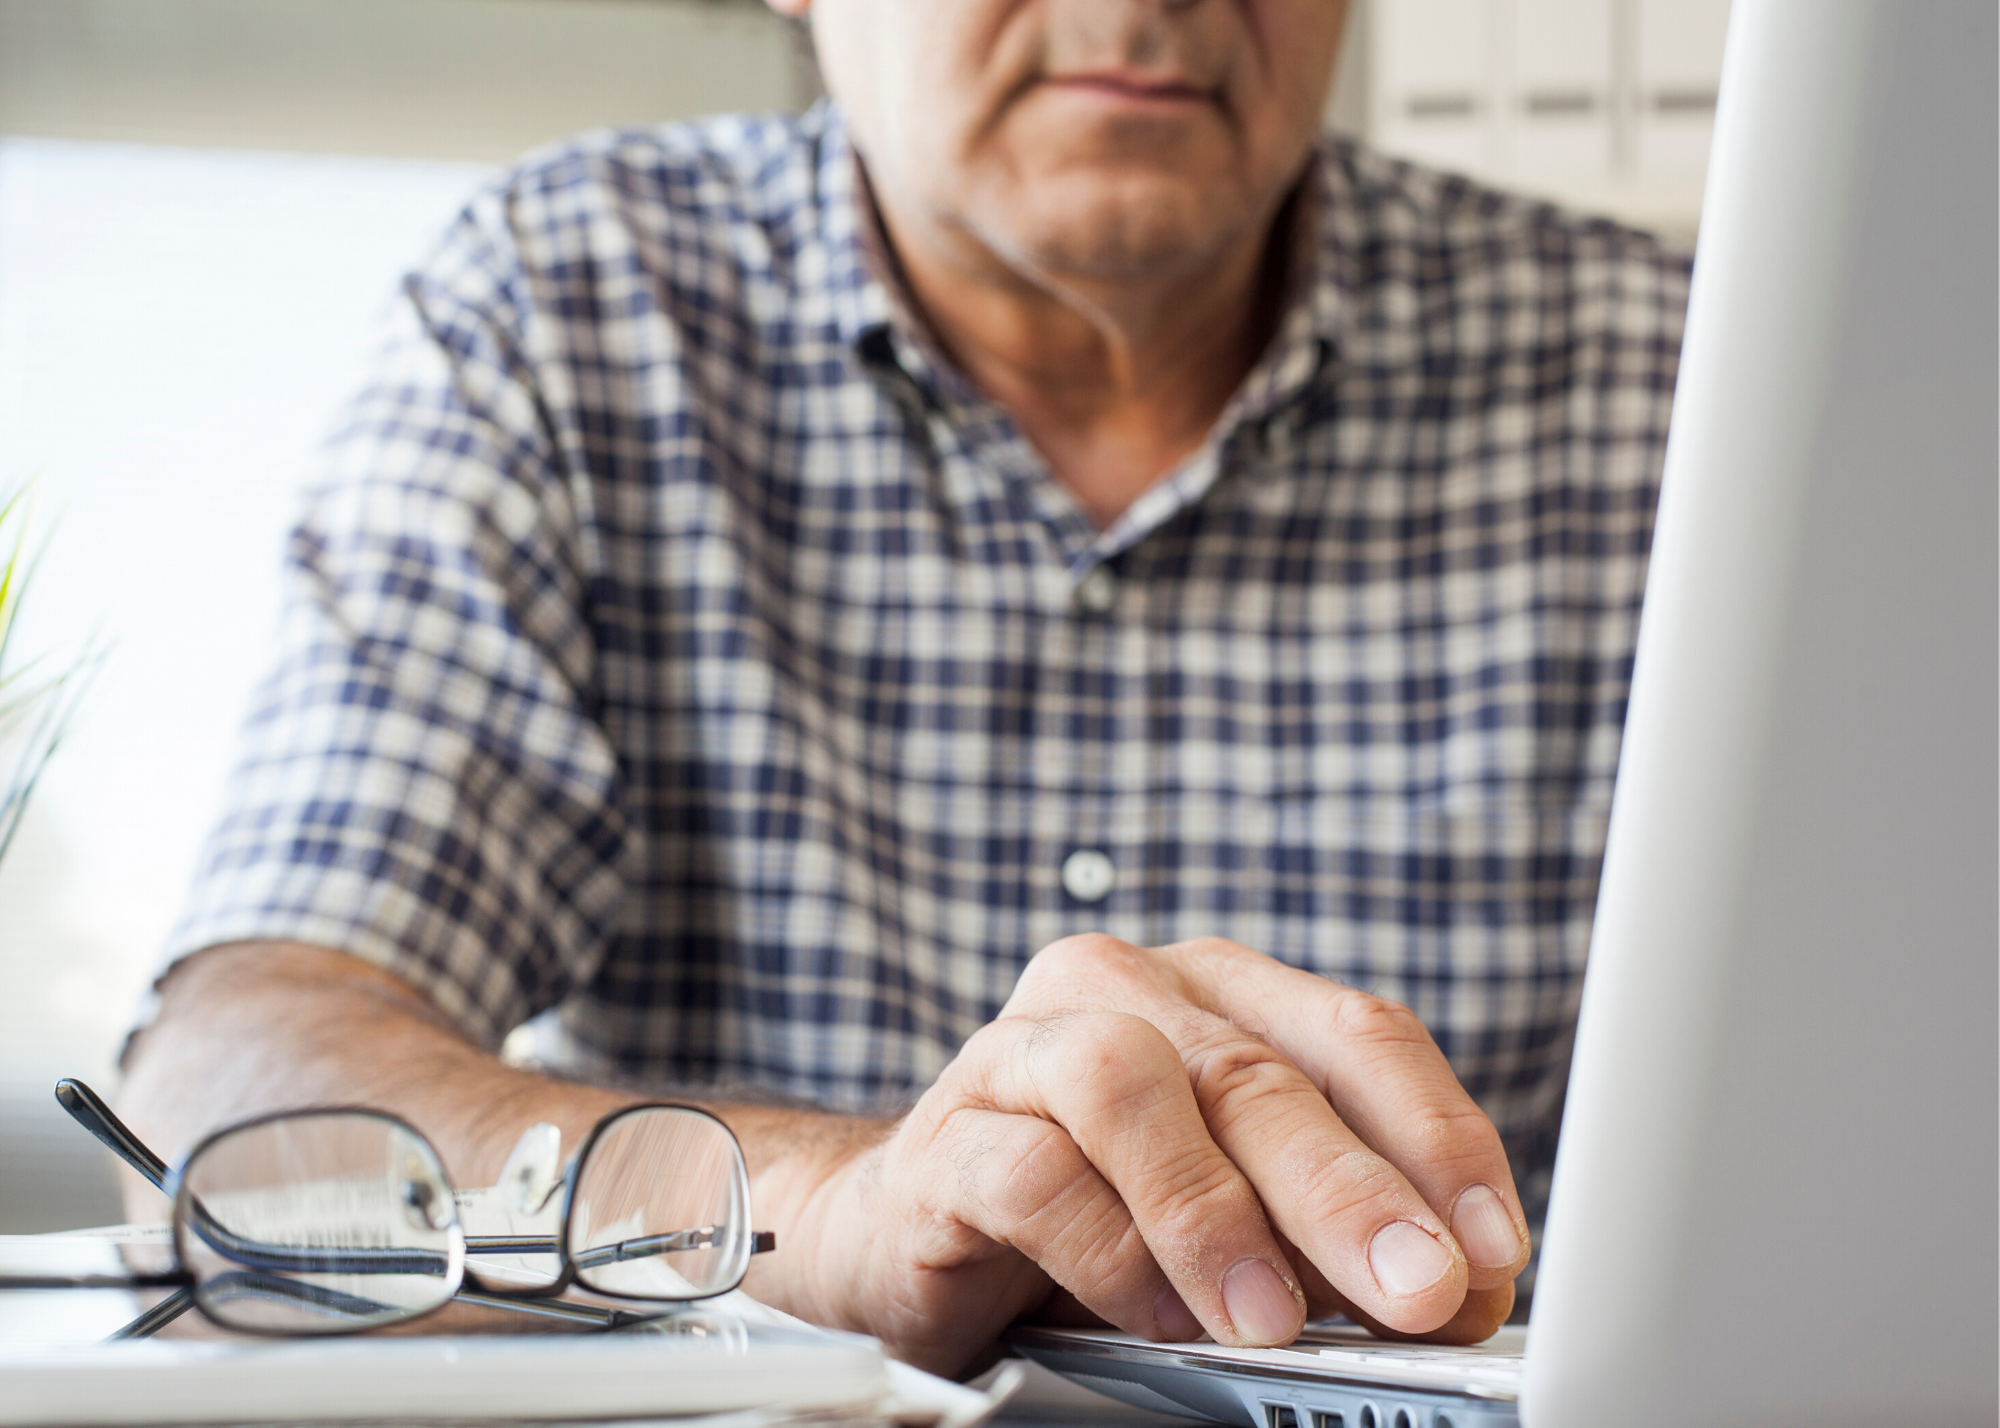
[662, 1208]
[319, 1223]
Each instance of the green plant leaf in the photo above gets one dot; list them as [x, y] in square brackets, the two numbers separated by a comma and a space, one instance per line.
[47, 708]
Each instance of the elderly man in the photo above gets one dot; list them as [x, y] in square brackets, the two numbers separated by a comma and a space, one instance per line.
[784, 573]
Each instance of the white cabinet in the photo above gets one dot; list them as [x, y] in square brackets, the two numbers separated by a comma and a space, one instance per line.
[1604, 104]
[1677, 64]
[1559, 70]
[1432, 78]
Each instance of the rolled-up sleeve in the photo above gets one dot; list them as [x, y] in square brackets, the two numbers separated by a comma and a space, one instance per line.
[423, 780]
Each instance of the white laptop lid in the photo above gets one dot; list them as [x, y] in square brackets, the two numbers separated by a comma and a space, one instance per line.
[1775, 1195]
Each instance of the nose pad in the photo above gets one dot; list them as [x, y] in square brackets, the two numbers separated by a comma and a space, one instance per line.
[424, 1205]
[533, 1169]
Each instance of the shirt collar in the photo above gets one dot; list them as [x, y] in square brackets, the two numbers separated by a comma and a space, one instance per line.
[1309, 310]
[862, 307]
[1328, 242]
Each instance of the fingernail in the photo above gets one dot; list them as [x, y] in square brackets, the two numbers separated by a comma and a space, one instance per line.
[1176, 1321]
[1262, 1307]
[1484, 1230]
[1405, 1259]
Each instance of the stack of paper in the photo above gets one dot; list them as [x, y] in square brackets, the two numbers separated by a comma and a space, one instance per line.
[729, 1363]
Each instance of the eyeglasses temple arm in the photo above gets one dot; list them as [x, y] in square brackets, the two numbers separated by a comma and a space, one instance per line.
[170, 1279]
[761, 1242]
[556, 1309]
[90, 1112]
[157, 1317]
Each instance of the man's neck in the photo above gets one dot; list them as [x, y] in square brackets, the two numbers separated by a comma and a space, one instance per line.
[1115, 383]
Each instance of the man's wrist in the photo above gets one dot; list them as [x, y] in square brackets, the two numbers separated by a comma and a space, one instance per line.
[805, 1168]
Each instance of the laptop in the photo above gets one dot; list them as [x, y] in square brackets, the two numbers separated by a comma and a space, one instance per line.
[1775, 1194]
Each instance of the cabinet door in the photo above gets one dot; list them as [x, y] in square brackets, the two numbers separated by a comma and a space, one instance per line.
[1678, 63]
[1433, 94]
[1561, 86]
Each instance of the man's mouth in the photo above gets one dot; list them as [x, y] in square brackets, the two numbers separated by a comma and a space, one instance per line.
[1130, 87]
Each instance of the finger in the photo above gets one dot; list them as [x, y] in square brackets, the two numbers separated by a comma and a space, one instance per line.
[1375, 1062]
[1119, 1091]
[1025, 1184]
[1373, 1233]
[1476, 1321]
[1350, 1210]
[1323, 1301]
[1482, 1313]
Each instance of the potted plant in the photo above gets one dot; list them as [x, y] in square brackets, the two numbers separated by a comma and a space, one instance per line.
[37, 705]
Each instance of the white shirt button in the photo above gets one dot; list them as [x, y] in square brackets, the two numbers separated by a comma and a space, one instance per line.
[1087, 875]
[1097, 592]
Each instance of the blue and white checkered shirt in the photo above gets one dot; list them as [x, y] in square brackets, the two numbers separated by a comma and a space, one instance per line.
[679, 650]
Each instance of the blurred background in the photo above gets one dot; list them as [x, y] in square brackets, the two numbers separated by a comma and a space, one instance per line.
[204, 205]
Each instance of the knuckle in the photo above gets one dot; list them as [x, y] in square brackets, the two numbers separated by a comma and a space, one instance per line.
[977, 1052]
[1085, 953]
[1041, 1196]
[1214, 960]
[1238, 1068]
[1108, 1058]
[1216, 949]
[1444, 1127]
[1095, 1249]
[1370, 1020]
[1208, 1197]
[1450, 1138]
[1007, 1168]
[1071, 963]
[1354, 1181]
[1036, 1170]
[1236, 1073]
[973, 1077]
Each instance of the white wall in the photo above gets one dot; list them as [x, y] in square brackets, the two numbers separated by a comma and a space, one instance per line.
[175, 326]
[462, 79]
[178, 317]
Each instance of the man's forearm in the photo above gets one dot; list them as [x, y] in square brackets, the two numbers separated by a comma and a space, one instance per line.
[1170, 1188]
[260, 1027]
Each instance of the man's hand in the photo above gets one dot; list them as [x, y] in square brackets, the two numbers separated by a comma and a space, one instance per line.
[1184, 1138]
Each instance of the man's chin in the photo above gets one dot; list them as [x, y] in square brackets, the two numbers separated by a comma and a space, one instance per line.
[1117, 227]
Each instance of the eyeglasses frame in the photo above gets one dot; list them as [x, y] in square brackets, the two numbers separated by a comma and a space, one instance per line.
[761, 1241]
[177, 1190]
[90, 1111]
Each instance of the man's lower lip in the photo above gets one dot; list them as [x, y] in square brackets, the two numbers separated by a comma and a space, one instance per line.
[1128, 94]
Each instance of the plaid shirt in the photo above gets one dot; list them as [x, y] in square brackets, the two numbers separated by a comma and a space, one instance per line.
[679, 650]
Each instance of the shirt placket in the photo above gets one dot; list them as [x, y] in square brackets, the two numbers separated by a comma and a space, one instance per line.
[1096, 822]
[1100, 852]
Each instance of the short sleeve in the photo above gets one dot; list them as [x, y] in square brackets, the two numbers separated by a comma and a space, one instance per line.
[423, 781]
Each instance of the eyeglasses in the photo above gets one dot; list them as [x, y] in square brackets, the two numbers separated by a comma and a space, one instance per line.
[339, 1220]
